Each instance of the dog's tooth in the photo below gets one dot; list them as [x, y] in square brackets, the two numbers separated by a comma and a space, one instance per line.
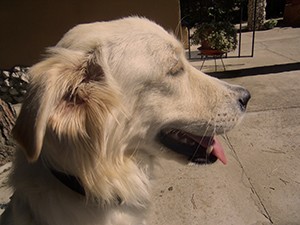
[209, 149]
[187, 141]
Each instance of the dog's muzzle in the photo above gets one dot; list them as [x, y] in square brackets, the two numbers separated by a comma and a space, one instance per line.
[200, 149]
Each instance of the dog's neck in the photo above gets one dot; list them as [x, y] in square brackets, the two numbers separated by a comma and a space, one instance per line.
[124, 177]
[74, 183]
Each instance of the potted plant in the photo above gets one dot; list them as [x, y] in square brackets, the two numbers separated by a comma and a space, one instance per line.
[215, 37]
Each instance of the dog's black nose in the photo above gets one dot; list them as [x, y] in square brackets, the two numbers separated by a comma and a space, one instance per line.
[244, 97]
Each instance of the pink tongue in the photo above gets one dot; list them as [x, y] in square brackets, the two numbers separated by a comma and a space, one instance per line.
[218, 151]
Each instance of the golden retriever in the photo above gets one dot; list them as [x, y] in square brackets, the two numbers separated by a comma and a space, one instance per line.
[108, 100]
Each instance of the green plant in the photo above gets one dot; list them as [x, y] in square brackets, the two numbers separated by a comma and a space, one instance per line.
[218, 35]
[270, 24]
[199, 11]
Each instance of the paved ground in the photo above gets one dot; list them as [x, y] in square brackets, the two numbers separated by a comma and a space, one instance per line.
[260, 185]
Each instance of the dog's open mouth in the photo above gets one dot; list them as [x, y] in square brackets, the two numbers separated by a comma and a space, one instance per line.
[198, 149]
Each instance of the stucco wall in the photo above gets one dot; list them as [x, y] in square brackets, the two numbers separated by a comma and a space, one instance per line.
[27, 27]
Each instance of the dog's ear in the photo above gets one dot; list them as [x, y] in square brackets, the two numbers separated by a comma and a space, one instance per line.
[52, 81]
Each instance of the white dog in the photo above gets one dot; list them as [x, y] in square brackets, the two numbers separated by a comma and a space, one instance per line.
[110, 98]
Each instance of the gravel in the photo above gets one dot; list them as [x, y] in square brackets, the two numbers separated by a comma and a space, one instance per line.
[6, 154]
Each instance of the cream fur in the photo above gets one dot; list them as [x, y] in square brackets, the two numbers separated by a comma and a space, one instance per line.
[94, 108]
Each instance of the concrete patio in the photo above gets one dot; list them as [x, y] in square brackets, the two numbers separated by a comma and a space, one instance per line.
[260, 185]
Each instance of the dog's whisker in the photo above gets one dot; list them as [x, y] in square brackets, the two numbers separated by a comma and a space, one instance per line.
[201, 141]
[230, 146]
[136, 149]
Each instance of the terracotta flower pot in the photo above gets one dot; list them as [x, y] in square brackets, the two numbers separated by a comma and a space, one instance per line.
[206, 49]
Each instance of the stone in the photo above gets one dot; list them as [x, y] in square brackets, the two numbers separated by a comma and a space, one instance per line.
[260, 14]
[4, 89]
[17, 69]
[22, 91]
[7, 83]
[6, 97]
[18, 99]
[15, 75]
[5, 74]
[7, 121]
[24, 78]
[13, 91]
[13, 84]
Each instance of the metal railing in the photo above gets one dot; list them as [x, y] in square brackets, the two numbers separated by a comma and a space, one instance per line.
[239, 47]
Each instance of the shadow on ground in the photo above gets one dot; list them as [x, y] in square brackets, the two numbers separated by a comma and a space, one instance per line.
[257, 71]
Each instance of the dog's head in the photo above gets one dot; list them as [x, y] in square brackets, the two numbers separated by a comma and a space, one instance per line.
[109, 92]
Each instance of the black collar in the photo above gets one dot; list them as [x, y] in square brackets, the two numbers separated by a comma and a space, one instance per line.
[74, 184]
[70, 181]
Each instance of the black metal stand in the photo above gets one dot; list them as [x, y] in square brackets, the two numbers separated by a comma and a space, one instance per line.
[215, 57]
